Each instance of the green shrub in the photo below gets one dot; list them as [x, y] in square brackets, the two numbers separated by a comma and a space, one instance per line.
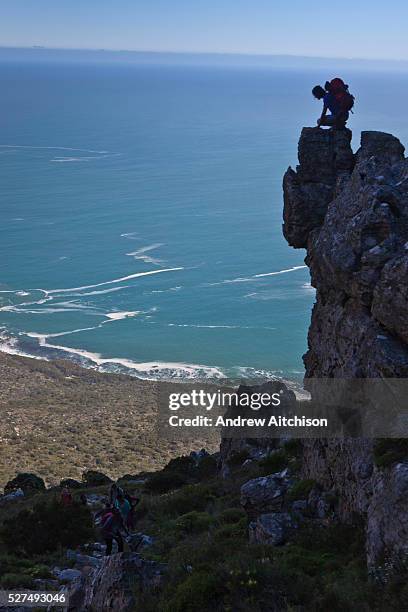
[275, 462]
[238, 458]
[232, 531]
[162, 482]
[231, 515]
[388, 451]
[40, 571]
[181, 465]
[293, 447]
[12, 581]
[46, 527]
[29, 483]
[191, 497]
[200, 591]
[194, 522]
[207, 468]
[301, 489]
[93, 478]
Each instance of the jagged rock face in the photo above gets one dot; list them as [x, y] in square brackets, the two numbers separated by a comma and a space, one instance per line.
[357, 251]
[355, 230]
[114, 584]
[357, 258]
[324, 157]
[262, 494]
[271, 529]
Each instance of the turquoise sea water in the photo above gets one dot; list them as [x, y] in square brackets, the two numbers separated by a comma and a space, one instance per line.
[141, 213]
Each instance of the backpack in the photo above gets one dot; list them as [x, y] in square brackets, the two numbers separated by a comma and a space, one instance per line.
[344, 99]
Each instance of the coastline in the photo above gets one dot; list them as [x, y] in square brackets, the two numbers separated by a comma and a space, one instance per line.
[61, 419]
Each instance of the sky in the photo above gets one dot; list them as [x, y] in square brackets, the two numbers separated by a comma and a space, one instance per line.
[372, 29]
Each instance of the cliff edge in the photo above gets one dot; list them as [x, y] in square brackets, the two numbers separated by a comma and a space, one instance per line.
[350, 212]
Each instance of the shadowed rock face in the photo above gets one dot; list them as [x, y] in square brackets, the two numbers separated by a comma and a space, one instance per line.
[350, 212]
[324, 157]
[357, 251]
[114, 585]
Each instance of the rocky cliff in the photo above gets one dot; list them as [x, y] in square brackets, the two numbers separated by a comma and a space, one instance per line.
[350, 212]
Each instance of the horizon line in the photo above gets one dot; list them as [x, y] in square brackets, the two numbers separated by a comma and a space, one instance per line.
[39, 47]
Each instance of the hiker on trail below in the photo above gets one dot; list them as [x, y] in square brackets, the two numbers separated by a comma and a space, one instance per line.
[124, 507]
[66, 497]
[111, 528]
[133, 502]
[114, 491]
[338, 100]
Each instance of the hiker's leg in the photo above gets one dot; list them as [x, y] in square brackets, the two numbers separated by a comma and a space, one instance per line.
[329, 120]
[119, 541]
[108, 546]
[340, 121]
[131, 520]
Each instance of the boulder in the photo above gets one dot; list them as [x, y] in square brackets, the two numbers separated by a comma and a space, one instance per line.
[93, 478]
[261, 494]
[10, 497]
[27, 482]
[71, 483]
[272, 529]
[68, 575]
[114, 586]
[138, 541]
[81, 560]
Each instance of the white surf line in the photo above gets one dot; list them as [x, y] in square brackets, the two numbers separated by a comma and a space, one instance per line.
[280, 271]
[146, 367]
[251, 279]
[145, 249]
[102, 292]
[203, 326]
[62, 160]
[59, 334]
[141, 253]
[118, 316]
[56, 148]
[111, 282]
[111, 317]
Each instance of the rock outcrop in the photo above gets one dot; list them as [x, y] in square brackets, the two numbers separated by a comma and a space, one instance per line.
[265, 493]
[271, 529]
[350, 212]
[324, 158]
[115, 584]
[26, 482]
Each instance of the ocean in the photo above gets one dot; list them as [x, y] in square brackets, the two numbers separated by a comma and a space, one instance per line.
[141, 212]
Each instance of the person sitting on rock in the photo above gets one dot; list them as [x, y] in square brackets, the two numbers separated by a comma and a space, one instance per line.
[338, 100]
